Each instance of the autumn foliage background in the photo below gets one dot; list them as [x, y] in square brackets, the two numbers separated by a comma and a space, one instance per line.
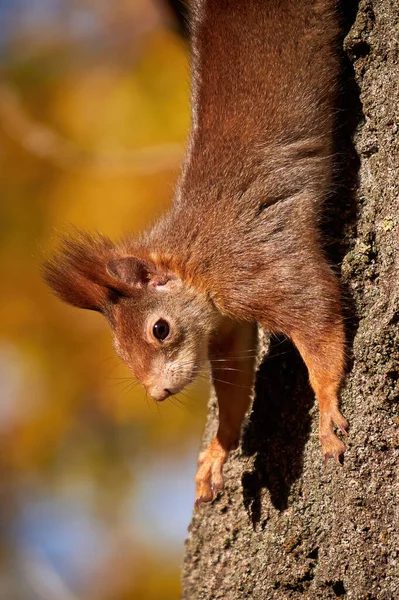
[96, 488]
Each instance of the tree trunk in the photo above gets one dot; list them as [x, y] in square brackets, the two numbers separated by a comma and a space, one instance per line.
[286, 526]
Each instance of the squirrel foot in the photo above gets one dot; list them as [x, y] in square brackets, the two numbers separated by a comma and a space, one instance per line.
[332, 446]
[209, 477]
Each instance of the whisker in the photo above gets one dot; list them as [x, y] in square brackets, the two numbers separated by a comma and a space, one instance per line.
[148, 404]
[125, 387]
[274, 339]
[118, 363]
[148, 400]
[108, 358]
[121, 379]
[176, 405]
[184, 396]
[233, 358]
[130, 387]
[120, 383]
[270, 356]
[265, 357]
[248, 350]
[229, 369]
[158, 409]
[247, 387]
[190, 407]
[113, 356]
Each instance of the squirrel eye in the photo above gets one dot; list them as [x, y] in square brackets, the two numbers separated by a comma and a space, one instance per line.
[161, 330]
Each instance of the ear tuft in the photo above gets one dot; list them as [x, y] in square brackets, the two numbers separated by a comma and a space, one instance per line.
[77, 273]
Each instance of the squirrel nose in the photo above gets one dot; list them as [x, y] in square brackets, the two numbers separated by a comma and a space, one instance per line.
[161, 395]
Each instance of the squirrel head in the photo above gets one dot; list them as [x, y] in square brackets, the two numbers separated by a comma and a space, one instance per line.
[161, 325]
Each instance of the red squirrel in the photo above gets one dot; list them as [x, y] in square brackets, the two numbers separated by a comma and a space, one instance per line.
[240, 244]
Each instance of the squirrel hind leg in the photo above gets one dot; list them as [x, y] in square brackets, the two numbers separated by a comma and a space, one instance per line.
[325, 362]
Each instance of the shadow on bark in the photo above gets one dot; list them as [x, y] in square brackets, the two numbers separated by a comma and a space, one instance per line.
[340, 216]
[278, 428]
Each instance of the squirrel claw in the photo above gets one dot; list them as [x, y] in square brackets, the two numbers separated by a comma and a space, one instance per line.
[207, 490]
[204, 496]
[337, 456]
[199, 501]
[333, 448]
[338, 459]
[340, 422]
[343, 427]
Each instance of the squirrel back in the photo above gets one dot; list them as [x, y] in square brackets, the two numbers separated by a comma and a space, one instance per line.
[244, 224]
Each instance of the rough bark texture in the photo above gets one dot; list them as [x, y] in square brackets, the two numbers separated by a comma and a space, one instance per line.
[287, 526]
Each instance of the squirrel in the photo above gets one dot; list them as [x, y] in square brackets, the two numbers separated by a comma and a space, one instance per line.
[240, 245]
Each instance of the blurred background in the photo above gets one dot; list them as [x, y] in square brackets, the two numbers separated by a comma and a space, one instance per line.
[96, 486]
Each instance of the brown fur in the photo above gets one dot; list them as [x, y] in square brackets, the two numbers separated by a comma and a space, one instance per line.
[241, 240]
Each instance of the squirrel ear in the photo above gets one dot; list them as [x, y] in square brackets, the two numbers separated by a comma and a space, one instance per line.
[131, 271]
[77, 273]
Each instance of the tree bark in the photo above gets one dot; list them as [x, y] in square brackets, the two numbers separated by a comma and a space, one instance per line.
[286, 526]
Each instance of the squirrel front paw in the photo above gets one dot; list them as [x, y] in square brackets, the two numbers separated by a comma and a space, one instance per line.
[209, 477]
